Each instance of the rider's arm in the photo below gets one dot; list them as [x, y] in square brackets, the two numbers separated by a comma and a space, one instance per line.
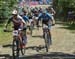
[53, 21]
[9, 20]
[51, 18]
[53, 11]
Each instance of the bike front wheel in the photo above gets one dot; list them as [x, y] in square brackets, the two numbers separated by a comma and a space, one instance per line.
[22, 49]
[46, 42]
[15, 49]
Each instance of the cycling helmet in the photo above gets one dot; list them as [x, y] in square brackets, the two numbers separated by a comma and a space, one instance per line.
[14, 12]
[24, 10]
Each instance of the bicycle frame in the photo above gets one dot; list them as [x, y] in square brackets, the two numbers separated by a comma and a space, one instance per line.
[17, 44]
[46, 36]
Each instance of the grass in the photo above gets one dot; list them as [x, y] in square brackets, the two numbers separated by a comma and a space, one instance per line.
[66, 25]
[5, 37]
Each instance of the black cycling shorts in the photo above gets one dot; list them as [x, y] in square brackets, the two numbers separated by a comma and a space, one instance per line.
[45, 22]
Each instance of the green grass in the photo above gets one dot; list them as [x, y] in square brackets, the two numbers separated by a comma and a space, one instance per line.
[5, 37]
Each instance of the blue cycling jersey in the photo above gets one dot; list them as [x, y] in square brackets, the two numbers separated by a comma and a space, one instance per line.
[25, 18]
[46, 16]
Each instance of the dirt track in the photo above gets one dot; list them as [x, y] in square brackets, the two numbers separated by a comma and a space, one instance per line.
[63, 40]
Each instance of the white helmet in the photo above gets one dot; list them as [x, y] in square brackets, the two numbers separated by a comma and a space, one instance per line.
[14, 12]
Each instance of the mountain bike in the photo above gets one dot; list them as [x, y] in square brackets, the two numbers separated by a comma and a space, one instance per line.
[17, 45]
[47, 37]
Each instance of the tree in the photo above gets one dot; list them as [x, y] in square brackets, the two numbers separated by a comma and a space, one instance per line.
[5, 8]
[61, 6]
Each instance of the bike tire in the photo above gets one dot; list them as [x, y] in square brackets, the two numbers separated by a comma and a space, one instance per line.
[15, 49]
[23, 51]
[31, 29]
[49, 40]
[46, 42]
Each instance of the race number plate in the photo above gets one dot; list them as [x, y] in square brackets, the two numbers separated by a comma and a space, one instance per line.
[15, 33]
[36, 18]
[45, 26]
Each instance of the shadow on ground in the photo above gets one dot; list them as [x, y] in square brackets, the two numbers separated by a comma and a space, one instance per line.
[38, 36]
[70, 27]
[51, 55]
[5, 56]
[30, 47]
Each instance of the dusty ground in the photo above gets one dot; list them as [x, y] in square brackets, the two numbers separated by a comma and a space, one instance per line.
[63, 41]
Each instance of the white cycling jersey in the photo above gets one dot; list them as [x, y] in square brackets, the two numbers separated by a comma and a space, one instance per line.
[21, 19]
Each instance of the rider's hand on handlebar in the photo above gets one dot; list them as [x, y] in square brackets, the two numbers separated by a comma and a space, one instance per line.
[53, 24]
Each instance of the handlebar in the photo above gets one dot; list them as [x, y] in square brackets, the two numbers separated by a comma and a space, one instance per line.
[5, 30]
[53, 24]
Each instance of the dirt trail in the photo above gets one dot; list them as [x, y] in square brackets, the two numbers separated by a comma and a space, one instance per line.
[63, 40]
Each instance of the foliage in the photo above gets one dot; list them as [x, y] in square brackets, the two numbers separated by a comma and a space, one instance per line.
[5, 8]
[63, 6]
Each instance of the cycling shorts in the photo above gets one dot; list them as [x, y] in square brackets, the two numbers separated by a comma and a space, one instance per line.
[46, 22]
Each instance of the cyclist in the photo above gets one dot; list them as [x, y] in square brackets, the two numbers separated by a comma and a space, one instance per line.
[40, 9]
[30, 15]
[51, 10]
[26, 19]
[18, 24]
[35, 17]
[47, 19]
[24, 16]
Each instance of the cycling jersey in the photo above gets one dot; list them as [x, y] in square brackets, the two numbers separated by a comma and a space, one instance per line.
[45, 16]
[26, 19]
[16, 23]
[45, 19]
